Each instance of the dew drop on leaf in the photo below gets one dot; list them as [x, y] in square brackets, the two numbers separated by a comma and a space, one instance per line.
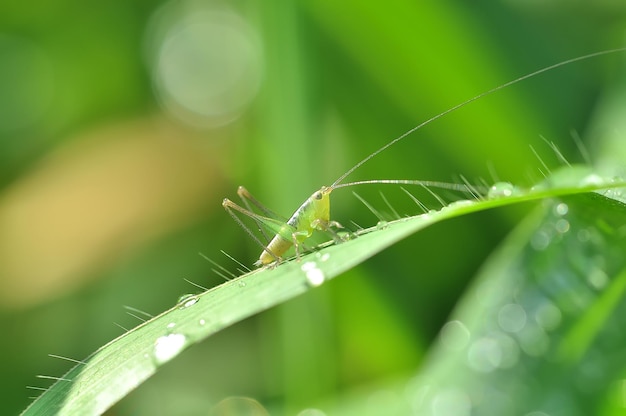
[500, 190]
[186, 301]
[322, 257]
[168, 347]
[314, 276]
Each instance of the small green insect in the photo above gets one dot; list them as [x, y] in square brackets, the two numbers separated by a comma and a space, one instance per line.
[314, 213]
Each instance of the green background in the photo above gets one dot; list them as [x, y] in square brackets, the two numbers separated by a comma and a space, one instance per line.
[107, 196]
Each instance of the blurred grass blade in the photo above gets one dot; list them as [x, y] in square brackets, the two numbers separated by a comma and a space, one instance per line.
[542, 330]
[123, 364]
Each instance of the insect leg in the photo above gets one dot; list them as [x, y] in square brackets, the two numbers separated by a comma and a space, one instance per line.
[230, 207]
[327, 226]
[247, 197]
[249, 200]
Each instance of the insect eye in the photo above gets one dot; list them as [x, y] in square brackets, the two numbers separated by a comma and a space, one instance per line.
[317, 195]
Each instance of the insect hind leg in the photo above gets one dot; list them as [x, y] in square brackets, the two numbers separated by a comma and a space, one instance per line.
[249, 200]
[231, 207]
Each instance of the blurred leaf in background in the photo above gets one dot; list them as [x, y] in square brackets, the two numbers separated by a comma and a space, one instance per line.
[124, 124]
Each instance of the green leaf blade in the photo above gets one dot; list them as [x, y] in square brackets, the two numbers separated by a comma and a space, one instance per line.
[541, 330]
[120, 366]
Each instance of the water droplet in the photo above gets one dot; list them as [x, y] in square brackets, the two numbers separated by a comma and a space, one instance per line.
[202, 322]
[186, 301]
[451, 402]
[512, 317]
[314, 276]
[454, 335]
[381, 225]
[241, 283]
[171, 325]
[484, 355]
[322, 257]
[168, 347]
[501, 190]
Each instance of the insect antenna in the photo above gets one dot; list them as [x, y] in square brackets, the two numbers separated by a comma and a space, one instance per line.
[468, 101]
[433, 184]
